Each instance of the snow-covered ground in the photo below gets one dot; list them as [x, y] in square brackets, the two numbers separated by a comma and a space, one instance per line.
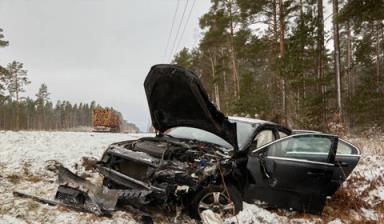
[28, 159]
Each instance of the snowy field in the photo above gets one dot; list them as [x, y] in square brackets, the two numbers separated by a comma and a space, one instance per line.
[28, 161]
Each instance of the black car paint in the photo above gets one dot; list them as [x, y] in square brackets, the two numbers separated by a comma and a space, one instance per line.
[176, 97]
[275, 181]
[300, 184]
[252, 172]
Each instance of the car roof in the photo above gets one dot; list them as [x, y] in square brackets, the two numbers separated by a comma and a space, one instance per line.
[250, 120]
[298, 131]
[260, 122]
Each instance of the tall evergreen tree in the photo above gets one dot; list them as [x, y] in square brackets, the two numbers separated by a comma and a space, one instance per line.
[16, 81]
[41, 101]
[3, 71]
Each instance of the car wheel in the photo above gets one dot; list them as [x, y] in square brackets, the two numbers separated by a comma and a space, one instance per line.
[216, 199]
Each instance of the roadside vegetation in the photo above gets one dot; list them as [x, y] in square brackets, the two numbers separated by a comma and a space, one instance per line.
[308, 64]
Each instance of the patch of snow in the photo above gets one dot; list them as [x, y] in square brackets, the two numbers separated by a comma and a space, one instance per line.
[336, 221]
[209, 217]
[6, 219]
[38, 147]
[252, 214]
[380, 193]
[24, 157]
[369, 214]
[28, 160]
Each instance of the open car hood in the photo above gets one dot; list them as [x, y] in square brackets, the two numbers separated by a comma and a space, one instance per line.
[176, 97]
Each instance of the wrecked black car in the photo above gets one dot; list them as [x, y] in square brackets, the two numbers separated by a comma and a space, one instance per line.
[200, 159]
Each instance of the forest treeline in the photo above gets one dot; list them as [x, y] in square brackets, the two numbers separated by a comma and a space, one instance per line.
[40, 113]
[277, 59]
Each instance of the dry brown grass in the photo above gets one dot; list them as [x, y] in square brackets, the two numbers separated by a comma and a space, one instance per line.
[26, 176]
[346, 203]
[380, 209]
[26, 167]
[63, 209]
[343, 203]
[372, 144]
[34, 179]
[32, 205]
[13, 178]
[89, 163]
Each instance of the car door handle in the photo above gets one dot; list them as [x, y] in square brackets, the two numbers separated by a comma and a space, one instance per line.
[310, 173]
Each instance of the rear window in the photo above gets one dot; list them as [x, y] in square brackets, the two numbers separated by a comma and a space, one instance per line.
[344, 148]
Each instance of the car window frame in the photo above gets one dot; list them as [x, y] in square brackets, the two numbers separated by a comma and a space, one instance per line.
[275, 127]
[358, 152]
[263, 149]
[279, 131]
[273, 131]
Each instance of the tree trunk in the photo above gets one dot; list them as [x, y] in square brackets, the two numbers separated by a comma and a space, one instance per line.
[215, 82]
[377, 57]
[17, 101]
[225, 82]
[275, 79]
[235, 76]
[320, 60]
[378, 109]
[274, 15]
[349, 61]
[282, 52]
[350, 91]
[336, 44]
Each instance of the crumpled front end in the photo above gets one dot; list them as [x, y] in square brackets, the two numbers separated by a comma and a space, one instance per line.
[158, 171]
[169, 169]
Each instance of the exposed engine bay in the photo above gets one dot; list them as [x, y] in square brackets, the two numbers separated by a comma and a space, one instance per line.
[149, 171]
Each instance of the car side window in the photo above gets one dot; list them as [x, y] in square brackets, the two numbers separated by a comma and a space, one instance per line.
[282, 134]
[301, 147]
[344, 148]
[264, 137]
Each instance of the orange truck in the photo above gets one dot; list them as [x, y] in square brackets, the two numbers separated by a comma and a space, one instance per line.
[105, 120]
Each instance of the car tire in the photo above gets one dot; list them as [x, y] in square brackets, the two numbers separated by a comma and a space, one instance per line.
[215, 198]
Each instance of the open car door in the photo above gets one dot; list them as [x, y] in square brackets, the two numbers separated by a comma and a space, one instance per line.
[347, 157]
[297, 172]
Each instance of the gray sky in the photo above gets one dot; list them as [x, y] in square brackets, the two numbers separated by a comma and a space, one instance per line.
[98, 50]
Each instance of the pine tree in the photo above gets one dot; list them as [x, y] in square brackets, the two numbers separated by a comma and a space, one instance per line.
[41, 101]
[16, 81]
[3, 71]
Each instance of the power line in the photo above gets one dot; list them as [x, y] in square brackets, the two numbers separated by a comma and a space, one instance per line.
[170, 32]
[178, 28]
[186, 24]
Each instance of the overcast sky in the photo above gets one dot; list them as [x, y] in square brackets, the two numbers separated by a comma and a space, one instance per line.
[98, 50]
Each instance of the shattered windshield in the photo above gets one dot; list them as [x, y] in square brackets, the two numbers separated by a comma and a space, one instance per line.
[244, 133]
